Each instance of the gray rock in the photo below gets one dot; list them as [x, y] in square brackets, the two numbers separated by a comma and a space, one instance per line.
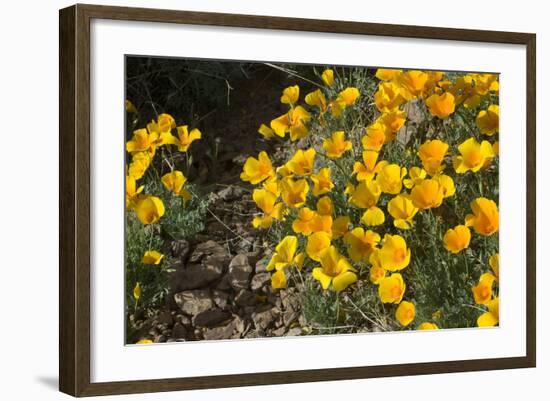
[259, 280]
[231, 193]
[211, 318]
[262, 264]
[245, 298]
[289, 316]
[295, 331]
[206, 249]
[239, 272]
[264, 318]
[220, 333]
[194, 302]
[179, 331]
[224, 284]
[220, 298]
[180, 249]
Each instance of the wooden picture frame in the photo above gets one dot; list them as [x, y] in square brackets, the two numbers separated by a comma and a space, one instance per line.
[74, 199]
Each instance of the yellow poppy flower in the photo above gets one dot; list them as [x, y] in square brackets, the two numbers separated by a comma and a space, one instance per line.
[322, 183]
[278, 279]
[302, 162]
[405, 313]
[488, 120]
[145, 341]
[369, 167]
[137, 291]
[346, 98]
[494, 262]
[491, 317]
[174, 182]
[402, 209]
[328, 77]
[284, 255]
[139, 165]
[483, 291]
[336, 145]
[149, 209]
[272, 185]
[427, 194]
[485, 216]
[365, 195]
[186, 138]
[417, 175]
[132, 193]
[432, 153]
[163, 127]
[302, 224]
[447, 184]
[441, 106]
[375, 136]
[309, 221]
[292, 122]
[394, 254]
[142, 141]
[427, 326]
[266, 132]
[376, 274]
[388, 97]
[152, 257]
[317, 243]
[324, 206]
[317, 99]
[290, 95]
[267, 202]
[257, 170]
[340, 226]
[457, 239]
[394, 120]
[373, 216]
[361, 244]
[294, 192]
[391, 289]
[385, 74]
[390, 178]
[334, 269]
[413, 83]
[473, 156]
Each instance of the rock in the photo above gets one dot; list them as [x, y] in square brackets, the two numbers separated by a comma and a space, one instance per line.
[245, 298]
[206, 249]
[259, 280]
[231, 193]
[295, 331]
[253, 257]
[262, 264]
[211, 318]
[278, 332]
[289, 316]
[183, 320]
[224, 284]
[239, 272]
[179, 331]
[180, 249]
[220, 333]
[264, 318]
[220, 298]
[165, 318]
[194, 302]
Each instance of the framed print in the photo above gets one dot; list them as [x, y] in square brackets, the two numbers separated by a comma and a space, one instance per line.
[307, 200]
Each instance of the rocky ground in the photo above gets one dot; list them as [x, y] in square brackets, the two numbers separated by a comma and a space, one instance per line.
[219, 288]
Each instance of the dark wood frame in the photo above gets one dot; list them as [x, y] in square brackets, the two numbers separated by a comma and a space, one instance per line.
[74, 199]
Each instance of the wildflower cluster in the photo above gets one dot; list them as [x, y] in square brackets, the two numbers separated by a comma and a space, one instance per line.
[371, 180]
[147, 190]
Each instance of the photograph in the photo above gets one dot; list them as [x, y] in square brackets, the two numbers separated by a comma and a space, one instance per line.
[271, 199]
